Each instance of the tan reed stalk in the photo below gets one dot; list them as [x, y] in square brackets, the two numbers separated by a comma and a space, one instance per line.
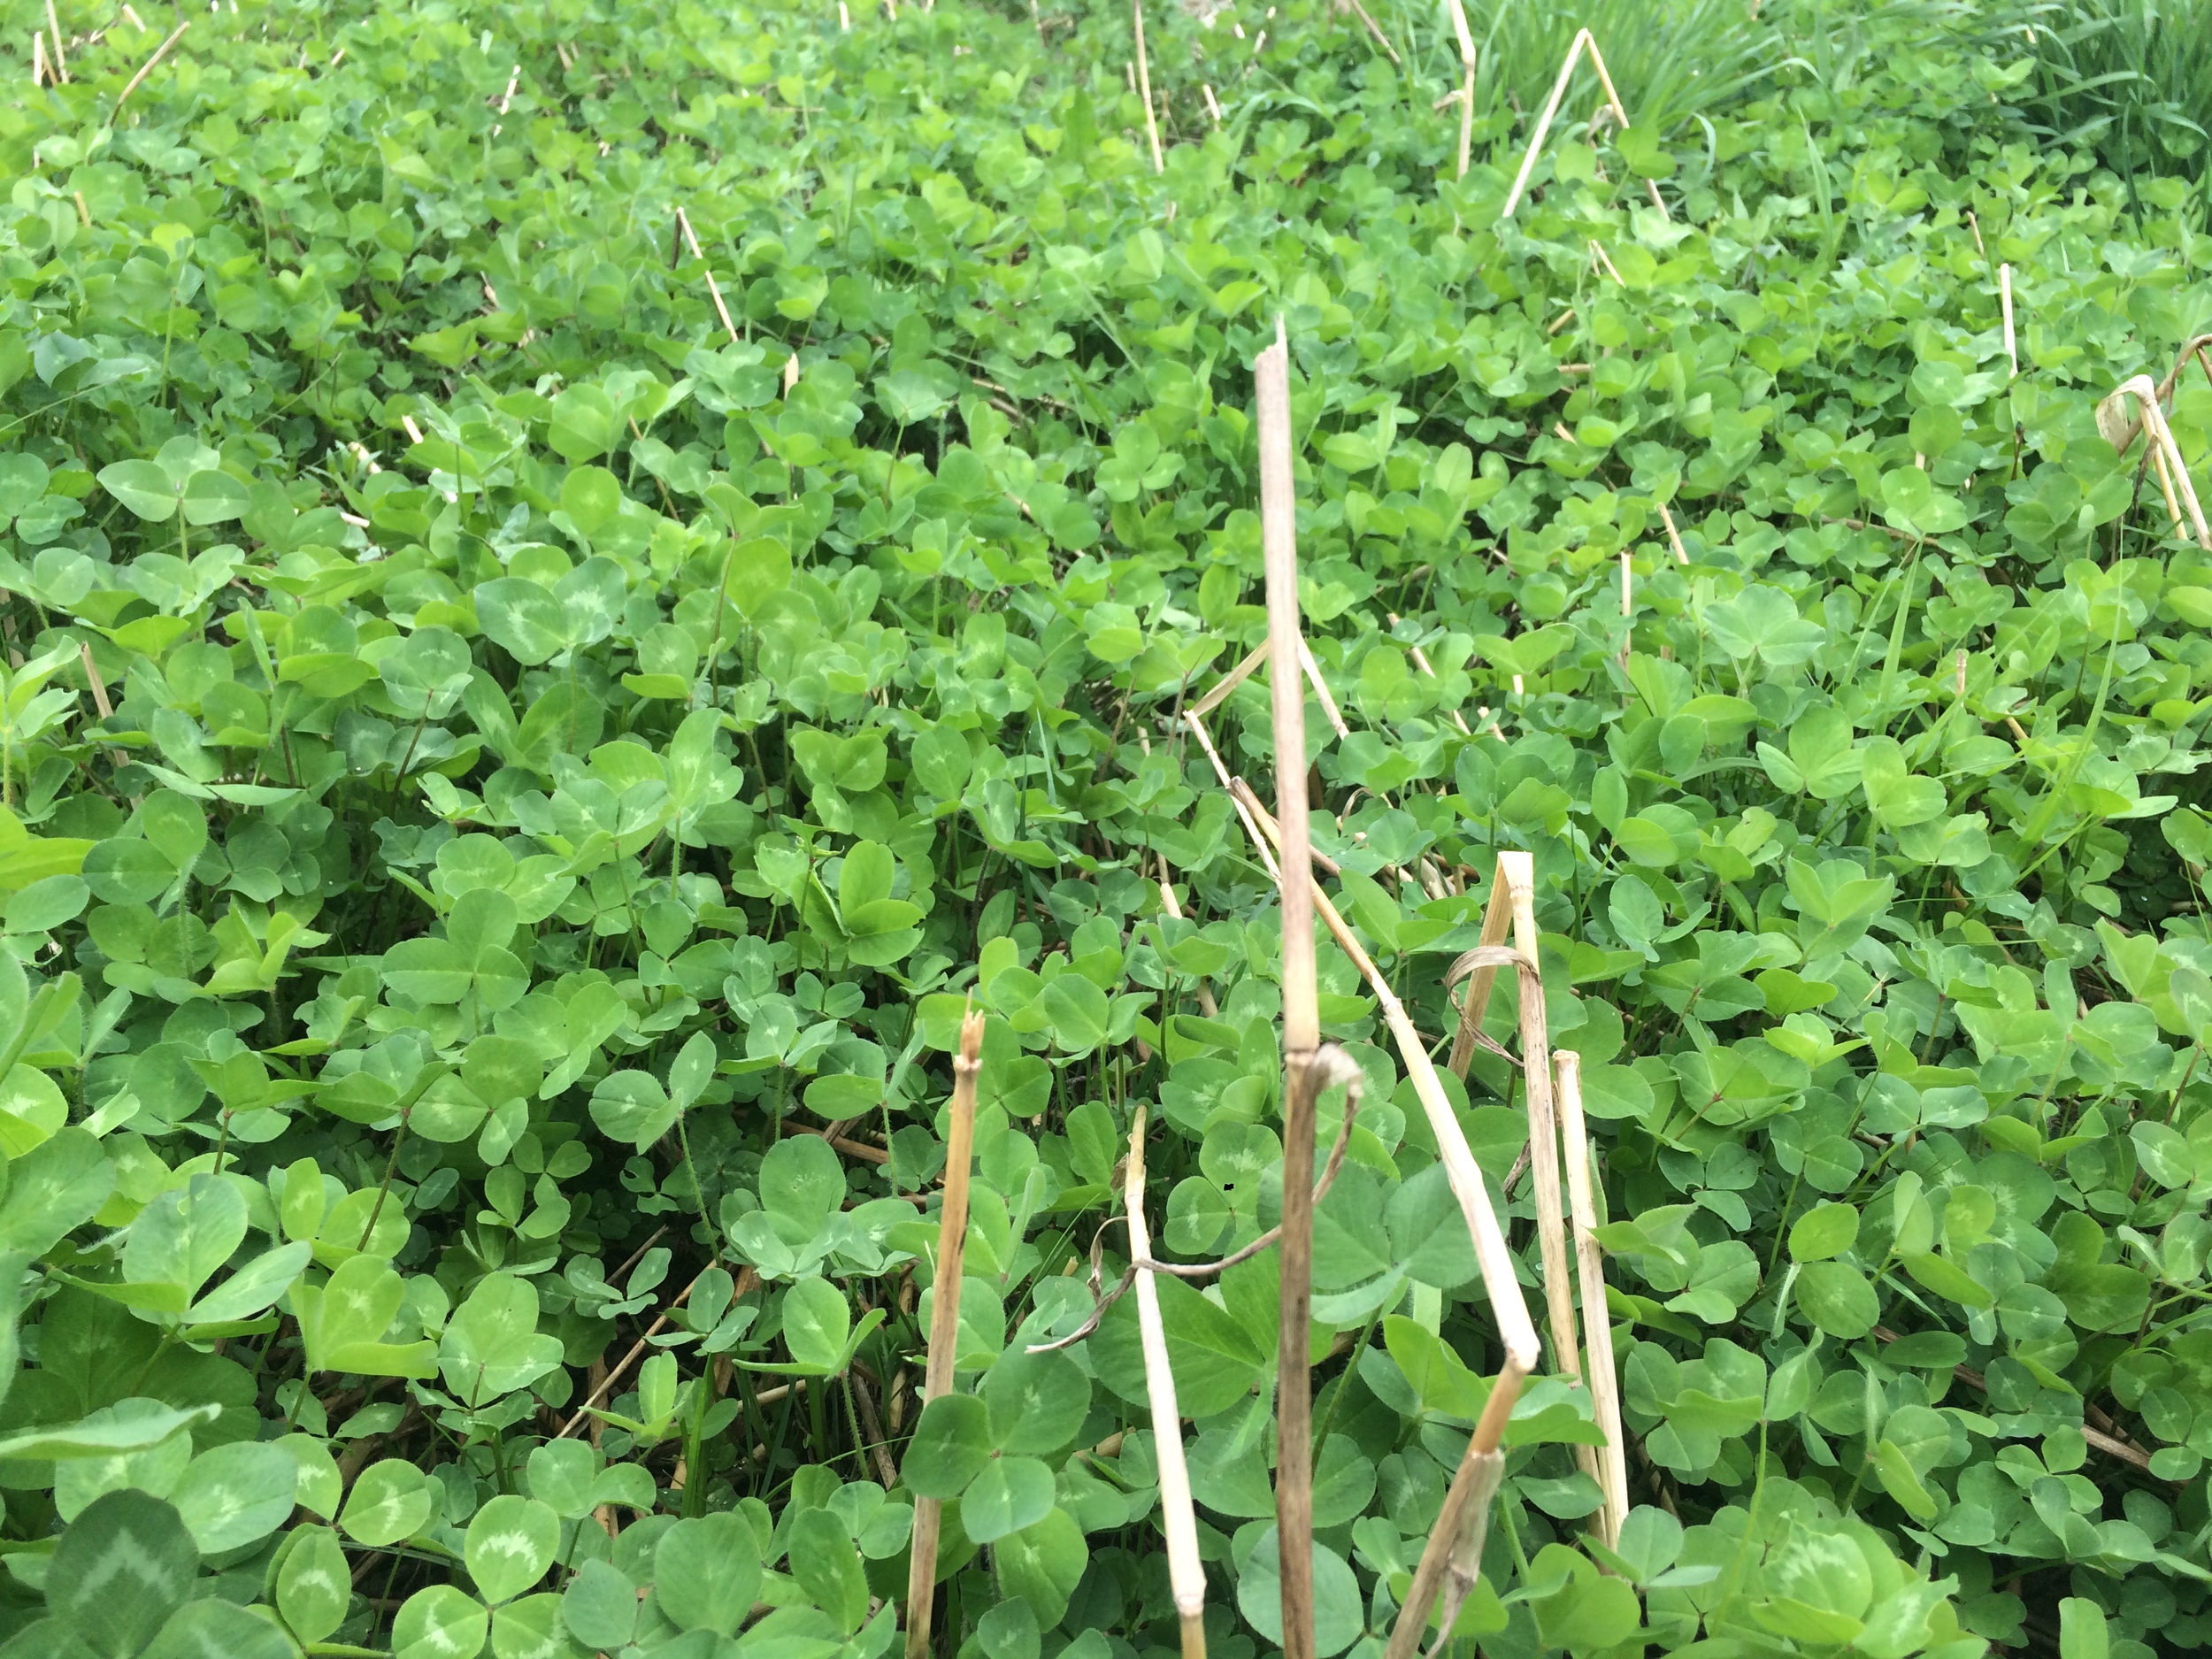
[1597, 1324]
[2120, 429]
[1144, 88]
[61, 64]
[683, 221]
[1462, 1173]
[2004, 295]
[1375, 29]
[1512, 901]
[1206, 1004]
[1466, 1506]
[147, 68]
[1674, 536]
[944, 1320]
[1453, 1558]
[1583, 42]
[1466, 86]
[1321, 688]
[1628, 605]
[1302, 1015]
[1186, 1578]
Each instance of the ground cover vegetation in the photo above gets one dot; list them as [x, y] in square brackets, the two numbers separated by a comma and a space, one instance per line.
[581, 579]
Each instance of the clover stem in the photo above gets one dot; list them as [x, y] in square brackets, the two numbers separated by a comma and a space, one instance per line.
[1344, 1381]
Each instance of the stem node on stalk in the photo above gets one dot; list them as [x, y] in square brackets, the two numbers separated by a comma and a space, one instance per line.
[944, 1319]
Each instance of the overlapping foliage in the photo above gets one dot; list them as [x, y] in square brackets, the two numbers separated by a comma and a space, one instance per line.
[508, 790]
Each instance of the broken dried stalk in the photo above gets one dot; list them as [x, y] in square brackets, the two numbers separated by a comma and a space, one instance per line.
[1583, 41]
[1186, 1578]
[944, 1320]
[147, 68]
[1206, 1004]
[1462, 1173]
[1513, 891]
[1381, 39]
[683, 221]
[2120, 429]
[1597, 1325]
[1466, 86]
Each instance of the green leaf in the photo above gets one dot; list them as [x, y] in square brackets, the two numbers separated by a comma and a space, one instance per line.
[1006, 1494]
[950, 1445]
[1036, 1402]
[390, 1501]
[2082, 1631]
[827, 1568]
[510, 1543]
[143, 487]
[1837, 1298]
[1042, 1564]
[213, 1628]
[440, 1623]
[599, 1607]
[120, 1571]
[236, 1494]
[314, 1585]
[707, 1572]
[106, 1435]
[1824, 1230]
[492, 1345]
[1337, 1612]
[531, 1629]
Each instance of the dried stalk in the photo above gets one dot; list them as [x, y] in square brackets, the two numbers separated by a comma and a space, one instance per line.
[1454, 1548]
[61, 64]
[1206, 1004]
[1513, 892]
[944, 1320]
[1462, 1173]
[2120, 429]
[1381, 39]
[1230, 681]
[1302, 1015]
[1466, 88]
[1144, 88]
[1462, 1511]
[1597, 1324]
[1321, 688]
[683, 222]
[1583, 41]
[1674, 536]
[1261, 844]
[746, 1281]
[2194, 349]
[1243, 671]
[1421, 662]
[147, 68]
[1186, 1578]
[2004, 295]
[1213, 104]
[1628, 605]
